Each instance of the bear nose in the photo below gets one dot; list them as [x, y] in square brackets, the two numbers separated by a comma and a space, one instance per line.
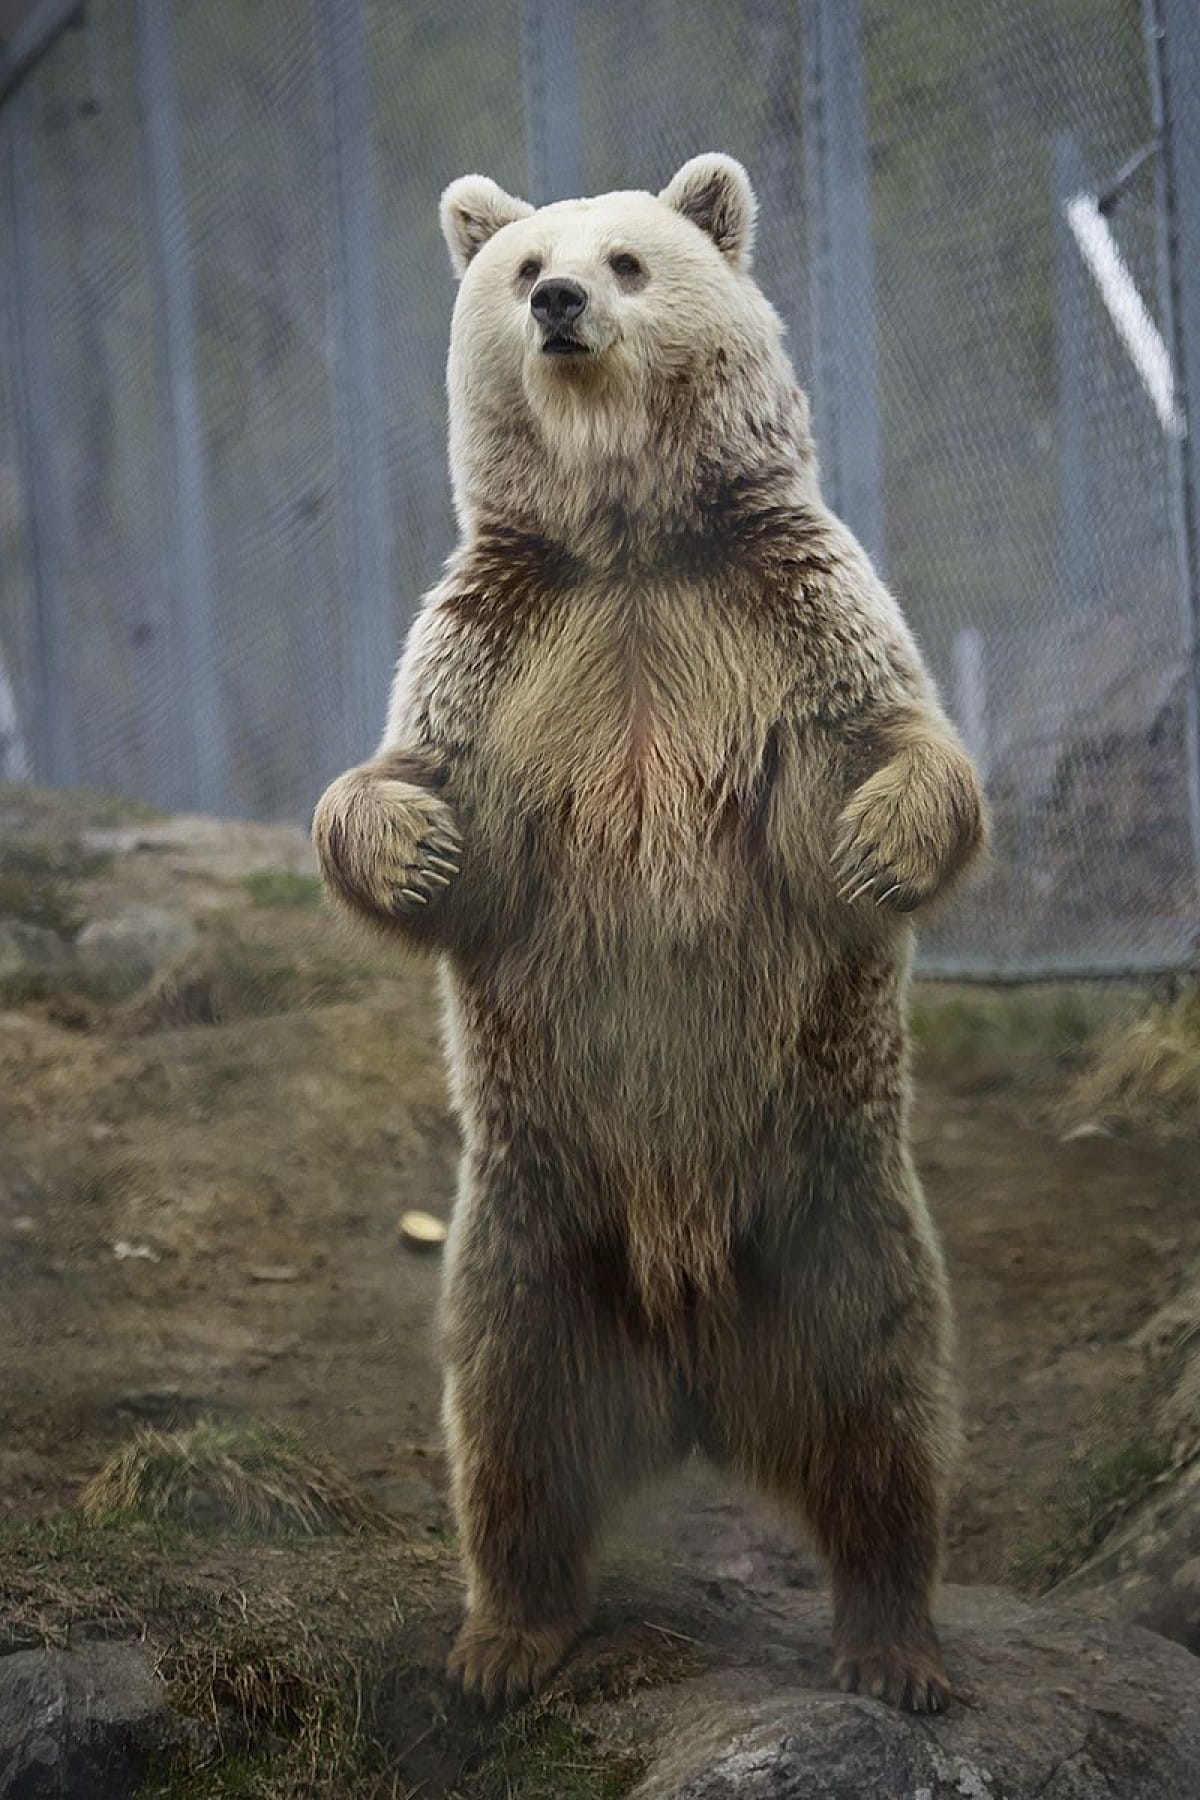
[557, 300]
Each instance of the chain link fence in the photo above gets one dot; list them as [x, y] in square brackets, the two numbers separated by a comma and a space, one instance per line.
[223, 313]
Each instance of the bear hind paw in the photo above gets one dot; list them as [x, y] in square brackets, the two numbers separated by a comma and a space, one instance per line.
[909, 1676]
[501, 1665]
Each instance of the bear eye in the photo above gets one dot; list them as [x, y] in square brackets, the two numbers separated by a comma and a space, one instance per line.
[530, 269]
[626, 266]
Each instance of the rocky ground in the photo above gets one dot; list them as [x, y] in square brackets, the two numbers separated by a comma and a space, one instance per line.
[214, 1108]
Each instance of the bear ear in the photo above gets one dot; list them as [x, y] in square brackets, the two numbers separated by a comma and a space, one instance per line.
[473, 209]
[714, 192]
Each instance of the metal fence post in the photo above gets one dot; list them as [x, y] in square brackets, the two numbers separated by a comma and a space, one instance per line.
[837, 183]
[201, 777]
[1173, 46]
[1074, 378]
[776, 175]
[364, 526]
[37, 417]
[549, 67]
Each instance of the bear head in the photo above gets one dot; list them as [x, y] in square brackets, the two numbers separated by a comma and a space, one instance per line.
[614, 353]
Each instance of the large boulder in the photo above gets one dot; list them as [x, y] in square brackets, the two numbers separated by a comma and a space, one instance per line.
[79, 1724]
[1054, 1705]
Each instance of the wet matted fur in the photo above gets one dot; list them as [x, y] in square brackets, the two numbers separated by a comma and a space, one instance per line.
[663, 779]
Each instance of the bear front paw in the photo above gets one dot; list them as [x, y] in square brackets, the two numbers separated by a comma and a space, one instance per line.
[880, 858]
[388, 848]
[909, 829]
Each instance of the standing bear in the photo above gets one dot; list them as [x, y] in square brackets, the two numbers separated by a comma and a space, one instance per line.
[664, 779]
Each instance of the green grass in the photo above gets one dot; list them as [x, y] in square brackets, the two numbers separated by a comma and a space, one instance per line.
[309, 1668]
[280, 887]
[541, 1755]
[246, 967]
[954, 1022]
[235, 1777]
[110, 809]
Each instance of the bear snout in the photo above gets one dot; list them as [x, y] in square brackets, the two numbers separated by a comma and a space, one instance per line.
[556, 301]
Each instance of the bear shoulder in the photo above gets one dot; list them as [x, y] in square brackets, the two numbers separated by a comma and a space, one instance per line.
[834, 620]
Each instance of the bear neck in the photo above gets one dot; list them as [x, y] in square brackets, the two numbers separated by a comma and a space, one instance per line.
[703, 466]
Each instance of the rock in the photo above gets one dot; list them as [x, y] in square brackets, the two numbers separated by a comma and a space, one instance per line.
[421, 1231]
[32, 954]
[1054, 1704]
[1148, 1570]
[119, 955]
[79, 1724]
[1051, 1701]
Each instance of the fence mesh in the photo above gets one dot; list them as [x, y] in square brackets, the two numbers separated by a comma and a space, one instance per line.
[223, 317]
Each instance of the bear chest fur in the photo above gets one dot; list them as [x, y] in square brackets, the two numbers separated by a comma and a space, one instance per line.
[635, 724]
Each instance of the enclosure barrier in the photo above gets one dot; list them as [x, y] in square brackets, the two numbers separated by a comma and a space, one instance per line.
[223, 317]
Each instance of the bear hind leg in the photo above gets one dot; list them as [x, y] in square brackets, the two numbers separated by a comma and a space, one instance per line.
[549, 1419]
[526, 1525]
[872, 1494]
[837, 1400]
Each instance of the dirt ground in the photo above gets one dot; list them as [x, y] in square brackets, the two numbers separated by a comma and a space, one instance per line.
[201, 1176]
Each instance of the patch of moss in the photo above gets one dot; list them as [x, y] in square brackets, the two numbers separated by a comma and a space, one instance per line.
[1107, 1491]
[975, 1035]
[235, 1777]
[280, 887]
[955, 1021]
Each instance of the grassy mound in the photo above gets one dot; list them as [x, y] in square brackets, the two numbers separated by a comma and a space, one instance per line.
[251, 1478]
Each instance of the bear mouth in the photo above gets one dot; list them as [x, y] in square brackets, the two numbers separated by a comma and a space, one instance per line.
[561, 343]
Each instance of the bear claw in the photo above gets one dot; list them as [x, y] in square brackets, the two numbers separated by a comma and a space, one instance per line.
[909, 1678]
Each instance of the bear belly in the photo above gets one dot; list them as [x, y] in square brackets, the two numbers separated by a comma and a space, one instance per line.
[630, 1025]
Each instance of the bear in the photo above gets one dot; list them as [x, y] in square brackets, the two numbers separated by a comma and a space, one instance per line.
[663, 782]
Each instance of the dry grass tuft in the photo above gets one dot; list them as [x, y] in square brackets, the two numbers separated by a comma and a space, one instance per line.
[1145, 1072]
[252, 1478]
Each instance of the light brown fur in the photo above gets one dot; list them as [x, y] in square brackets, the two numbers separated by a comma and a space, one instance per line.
[663, 775]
